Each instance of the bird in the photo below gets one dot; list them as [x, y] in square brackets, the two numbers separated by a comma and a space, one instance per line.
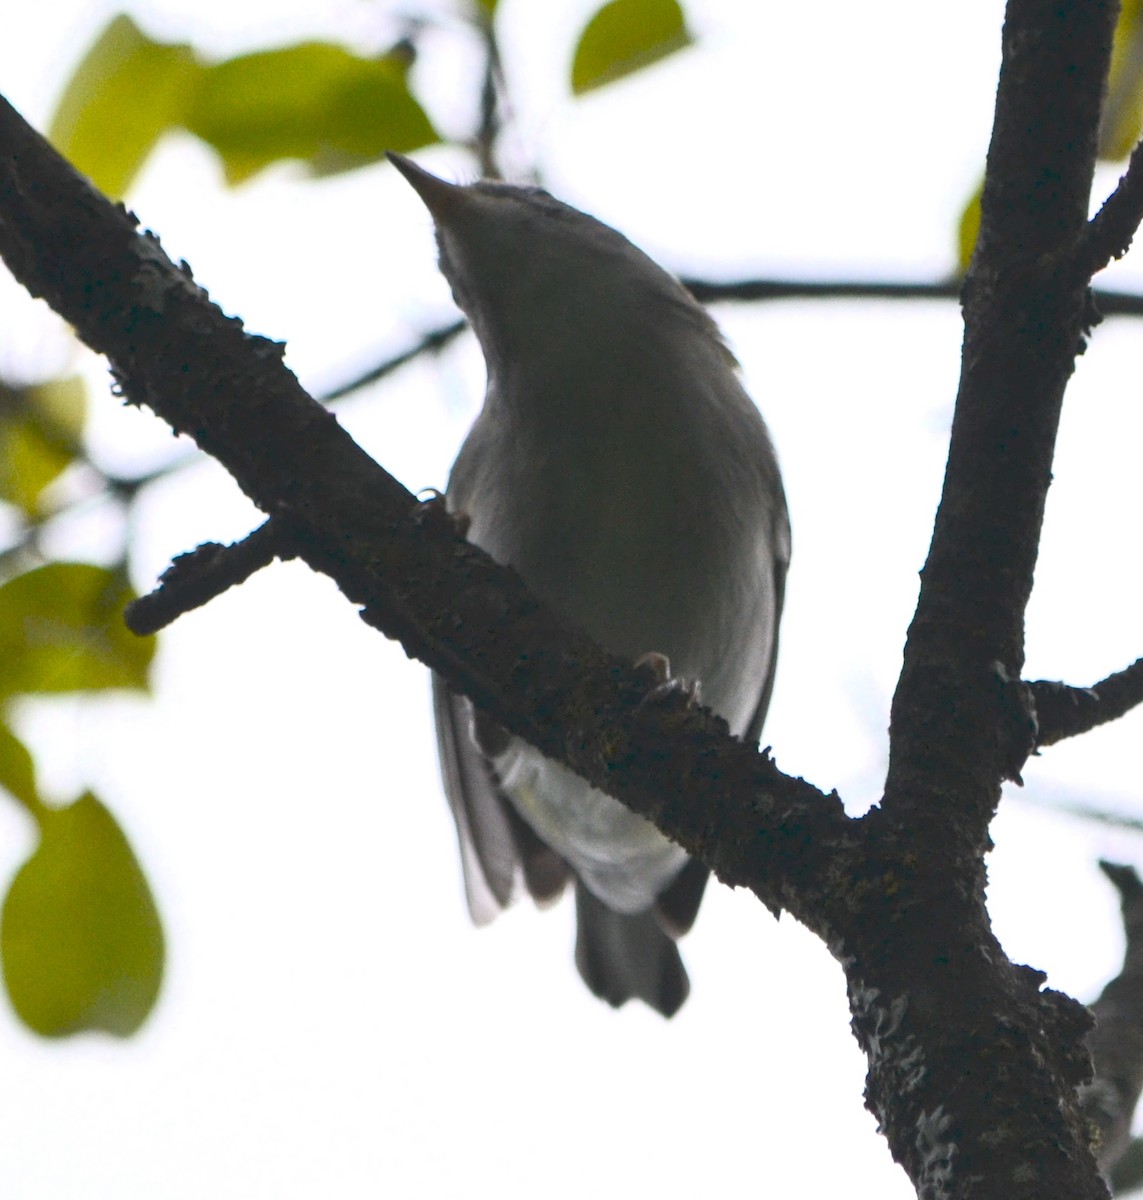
[623, 471]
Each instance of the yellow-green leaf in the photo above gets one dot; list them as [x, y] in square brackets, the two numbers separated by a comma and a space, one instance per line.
[80, 938]
[624, 36]
[123, 96]
[28, 463]
[63, 404]
[62, 630]
[17, 771]
[39, 437]
[315, 102]
[1123, 108]
[968, 230]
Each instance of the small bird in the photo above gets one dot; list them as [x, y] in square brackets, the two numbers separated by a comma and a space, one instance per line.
[619, 466]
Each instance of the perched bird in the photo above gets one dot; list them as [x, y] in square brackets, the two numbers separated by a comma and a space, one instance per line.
[619, 466]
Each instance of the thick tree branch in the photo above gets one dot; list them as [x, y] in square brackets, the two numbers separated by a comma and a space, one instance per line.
[1025, 316]
[960, 721]
[416, 579]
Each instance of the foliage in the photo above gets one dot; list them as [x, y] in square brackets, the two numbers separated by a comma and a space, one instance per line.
[624, 36]
[80, 939]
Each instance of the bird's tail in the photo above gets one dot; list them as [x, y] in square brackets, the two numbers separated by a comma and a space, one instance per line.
[621, 956]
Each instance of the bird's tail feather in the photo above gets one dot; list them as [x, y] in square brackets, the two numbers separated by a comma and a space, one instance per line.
[621, 956]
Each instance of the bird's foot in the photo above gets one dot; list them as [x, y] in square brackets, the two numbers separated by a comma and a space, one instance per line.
[434, 504]
[658, 666]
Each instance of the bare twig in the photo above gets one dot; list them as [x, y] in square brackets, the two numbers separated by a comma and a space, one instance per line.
[1109, 232]
[1063, 711]
[430, 343]
[492, 87]
[197, 577]
[1109, 303]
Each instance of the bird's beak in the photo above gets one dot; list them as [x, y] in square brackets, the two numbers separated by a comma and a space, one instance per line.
[441, 198]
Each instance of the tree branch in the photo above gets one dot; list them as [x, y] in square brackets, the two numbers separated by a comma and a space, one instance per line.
[747, 291]
[417, 580]
[1063, 711]
[960, 720]
[430, 343]
[1110, 231]
[1108, 303]
[196, 578]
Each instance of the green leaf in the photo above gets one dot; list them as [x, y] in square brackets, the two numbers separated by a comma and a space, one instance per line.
[315, 102]
[80, 939]
[123, 96]
[39, 437]
[17, 771]
[62, 630]
[62, 403]
[1123, 108]
[625, 36]
[968, 230]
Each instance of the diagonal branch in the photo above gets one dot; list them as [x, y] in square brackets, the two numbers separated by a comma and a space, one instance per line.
[430, 343]
[196, 578]
[417, 580]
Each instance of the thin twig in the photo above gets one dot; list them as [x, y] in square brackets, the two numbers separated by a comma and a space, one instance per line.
[1109, 303]
[1110, 231]
[195, 578]
[433, 341]
[1063, 711]
[488, 130]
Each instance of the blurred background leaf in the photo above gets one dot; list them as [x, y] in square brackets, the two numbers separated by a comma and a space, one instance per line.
[315, 102]
[125, 94]
[40, 430]
[624, 36]
[968, 229]
[17, 771]
[1123, 106]
[80, 938]
[62, 630]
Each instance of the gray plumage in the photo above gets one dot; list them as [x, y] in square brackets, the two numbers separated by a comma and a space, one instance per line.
[619, 466]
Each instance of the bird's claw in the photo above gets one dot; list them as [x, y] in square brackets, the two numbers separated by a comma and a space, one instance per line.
[433, 503]
[659, 667]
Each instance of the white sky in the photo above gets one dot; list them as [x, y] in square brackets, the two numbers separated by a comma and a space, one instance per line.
[330, 1023]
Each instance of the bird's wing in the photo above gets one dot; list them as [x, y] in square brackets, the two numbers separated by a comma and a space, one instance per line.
[677, 907]
[781, 565]
[495, 843]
